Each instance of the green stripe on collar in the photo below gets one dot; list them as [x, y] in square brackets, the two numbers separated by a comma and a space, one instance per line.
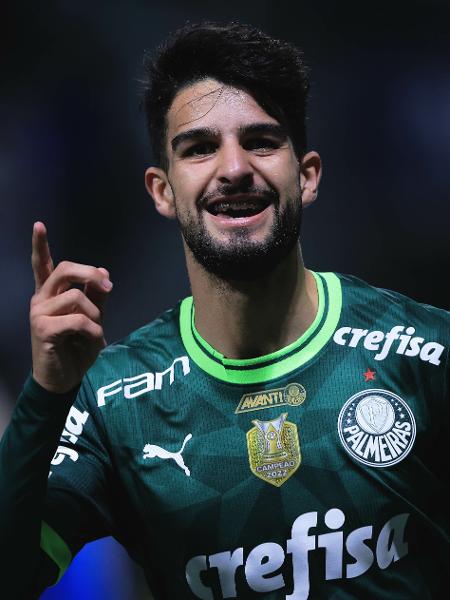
[276, 364]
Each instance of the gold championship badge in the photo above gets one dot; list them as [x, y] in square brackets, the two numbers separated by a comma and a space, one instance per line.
[274, 449]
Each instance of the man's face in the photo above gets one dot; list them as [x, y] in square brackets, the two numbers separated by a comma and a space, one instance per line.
[235, 180]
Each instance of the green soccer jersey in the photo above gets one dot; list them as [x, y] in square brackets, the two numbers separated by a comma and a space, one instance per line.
[317, 471]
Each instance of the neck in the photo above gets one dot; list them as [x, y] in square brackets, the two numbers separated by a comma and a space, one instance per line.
[248, 319]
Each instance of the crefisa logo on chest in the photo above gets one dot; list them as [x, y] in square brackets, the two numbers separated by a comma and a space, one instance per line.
[377, 428]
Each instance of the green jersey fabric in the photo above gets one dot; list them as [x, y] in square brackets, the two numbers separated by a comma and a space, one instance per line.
[318, 471]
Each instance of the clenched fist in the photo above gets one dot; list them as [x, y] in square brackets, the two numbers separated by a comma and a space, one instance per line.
[66, 323]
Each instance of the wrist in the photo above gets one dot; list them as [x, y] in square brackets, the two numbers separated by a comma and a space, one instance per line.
[37, 388]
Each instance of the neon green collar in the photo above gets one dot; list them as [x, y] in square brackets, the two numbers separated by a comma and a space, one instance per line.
[270, 366]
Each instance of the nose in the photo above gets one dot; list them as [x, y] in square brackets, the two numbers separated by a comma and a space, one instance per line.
[234, 166]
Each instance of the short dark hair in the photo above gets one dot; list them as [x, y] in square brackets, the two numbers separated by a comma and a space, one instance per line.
[271, 70]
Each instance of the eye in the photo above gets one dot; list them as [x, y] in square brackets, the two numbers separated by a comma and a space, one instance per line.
[200, 149]
[261, 143]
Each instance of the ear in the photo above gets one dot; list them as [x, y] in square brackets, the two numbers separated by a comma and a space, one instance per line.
[310, 174]
[160, 190]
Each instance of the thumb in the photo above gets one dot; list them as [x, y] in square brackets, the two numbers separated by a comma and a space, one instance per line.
[94, 294]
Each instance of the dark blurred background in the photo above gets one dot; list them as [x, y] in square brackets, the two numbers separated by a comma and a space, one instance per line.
[73, 149]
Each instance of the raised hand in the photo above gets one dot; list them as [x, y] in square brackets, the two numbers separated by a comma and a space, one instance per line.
[66, 323]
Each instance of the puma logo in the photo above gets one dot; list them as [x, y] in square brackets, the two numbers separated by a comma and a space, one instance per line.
[152, 451]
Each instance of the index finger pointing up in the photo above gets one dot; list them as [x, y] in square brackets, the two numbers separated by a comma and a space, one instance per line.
[41, 259]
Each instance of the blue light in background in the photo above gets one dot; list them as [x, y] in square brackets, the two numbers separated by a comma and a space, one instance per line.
[101, 570]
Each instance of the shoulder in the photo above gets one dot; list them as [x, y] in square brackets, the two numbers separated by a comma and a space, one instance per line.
[141, 357]
[373, 316]
[151, 336]
[357, 292]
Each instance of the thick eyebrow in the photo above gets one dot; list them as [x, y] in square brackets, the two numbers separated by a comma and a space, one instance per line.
[274, 129]
[193, 134]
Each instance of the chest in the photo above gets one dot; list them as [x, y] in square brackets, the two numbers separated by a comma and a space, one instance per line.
[331, 432]
[216, 474]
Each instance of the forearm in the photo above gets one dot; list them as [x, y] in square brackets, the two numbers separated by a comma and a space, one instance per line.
[26, 449]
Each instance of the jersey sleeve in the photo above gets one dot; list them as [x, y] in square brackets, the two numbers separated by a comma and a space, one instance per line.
[55, 487]
[26, 448]
[446, 395]
[78, 507]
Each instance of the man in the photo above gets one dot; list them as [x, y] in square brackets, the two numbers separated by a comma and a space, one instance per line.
[274, 435]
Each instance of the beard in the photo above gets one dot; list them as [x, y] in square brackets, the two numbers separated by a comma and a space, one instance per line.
[240, 258]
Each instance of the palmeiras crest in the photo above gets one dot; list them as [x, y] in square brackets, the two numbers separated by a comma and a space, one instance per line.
[274, 449]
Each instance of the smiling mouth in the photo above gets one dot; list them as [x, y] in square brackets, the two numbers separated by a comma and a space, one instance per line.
[236, 208]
